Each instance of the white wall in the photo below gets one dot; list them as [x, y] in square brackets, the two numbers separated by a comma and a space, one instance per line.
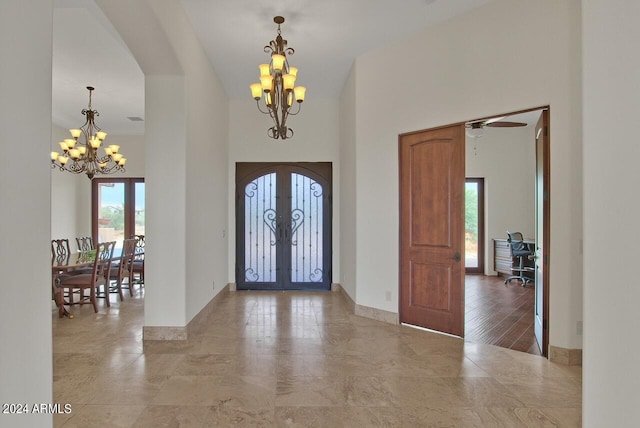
[496, 59]
[611, 375]
[505, 158]
[165, 189]
[202, 186]
[315, 140]
[186, 129]
[67, 198]
[348, 165]
[25, 206]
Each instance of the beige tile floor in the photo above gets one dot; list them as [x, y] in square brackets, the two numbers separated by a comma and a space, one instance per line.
[296, 359]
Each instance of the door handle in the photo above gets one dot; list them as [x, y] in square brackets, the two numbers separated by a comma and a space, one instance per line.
[456, 257]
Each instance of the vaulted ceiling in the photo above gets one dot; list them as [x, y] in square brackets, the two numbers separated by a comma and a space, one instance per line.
[327, 36]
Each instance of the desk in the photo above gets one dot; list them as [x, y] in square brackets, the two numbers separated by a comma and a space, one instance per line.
[502, 260]
[61, 265]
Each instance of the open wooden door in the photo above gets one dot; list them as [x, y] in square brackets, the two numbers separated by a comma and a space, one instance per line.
[432, 182]
[541, 310]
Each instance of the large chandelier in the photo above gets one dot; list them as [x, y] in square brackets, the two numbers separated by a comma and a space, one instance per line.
[277, 86]
[81, 155]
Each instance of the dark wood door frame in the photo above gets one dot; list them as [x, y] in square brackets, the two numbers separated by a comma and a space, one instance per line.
[129, 203]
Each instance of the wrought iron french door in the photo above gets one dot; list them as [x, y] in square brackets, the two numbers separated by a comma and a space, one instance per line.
[283, 226]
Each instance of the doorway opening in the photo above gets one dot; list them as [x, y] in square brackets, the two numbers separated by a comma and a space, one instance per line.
[283, 226]
[515, 166]
[432, 170]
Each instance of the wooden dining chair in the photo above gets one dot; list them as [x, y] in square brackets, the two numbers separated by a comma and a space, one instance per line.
[85, 243]
[138, 261]
[60, 249]
[93, 281]
[124, 267]
[60, 253]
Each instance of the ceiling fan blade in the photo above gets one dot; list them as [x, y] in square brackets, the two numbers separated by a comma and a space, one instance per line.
[505, 124]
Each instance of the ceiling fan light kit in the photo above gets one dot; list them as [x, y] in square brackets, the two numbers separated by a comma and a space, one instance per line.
[276, 89]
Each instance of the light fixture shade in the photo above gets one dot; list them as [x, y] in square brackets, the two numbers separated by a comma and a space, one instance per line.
[293, 70]
[75, 133]
[101, 135]
[475, 132]
[70, 142]
[54, 155]
[277, 61]
[300, 92]
[289, 81]
[256, 90]
[264, 69]
[266, 82]
[114, 148]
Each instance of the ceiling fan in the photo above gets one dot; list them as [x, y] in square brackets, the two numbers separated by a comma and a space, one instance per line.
[474, 129]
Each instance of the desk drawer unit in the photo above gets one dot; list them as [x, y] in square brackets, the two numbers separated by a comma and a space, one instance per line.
[502, 261]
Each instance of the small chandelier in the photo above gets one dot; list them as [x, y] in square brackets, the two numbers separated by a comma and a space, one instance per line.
[276, 87]
[81, 156]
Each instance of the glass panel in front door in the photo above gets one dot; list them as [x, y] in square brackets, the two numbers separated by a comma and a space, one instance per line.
[261, 229]
[306, 229]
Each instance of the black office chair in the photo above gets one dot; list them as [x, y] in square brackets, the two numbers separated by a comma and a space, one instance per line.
[519, 250]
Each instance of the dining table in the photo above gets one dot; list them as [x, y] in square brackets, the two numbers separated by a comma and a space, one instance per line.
[63, 265]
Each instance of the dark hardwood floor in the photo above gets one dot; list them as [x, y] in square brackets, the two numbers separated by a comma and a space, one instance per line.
[499, 314]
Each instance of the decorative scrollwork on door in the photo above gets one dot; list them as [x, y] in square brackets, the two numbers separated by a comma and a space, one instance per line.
[260, 229]
[283, 228]
[306, 229]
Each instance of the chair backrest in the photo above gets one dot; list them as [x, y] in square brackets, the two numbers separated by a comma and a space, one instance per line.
[139, 249]
[102, 264]
[516, 241]
[60, 250]
[128, 255]
[85, 243]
